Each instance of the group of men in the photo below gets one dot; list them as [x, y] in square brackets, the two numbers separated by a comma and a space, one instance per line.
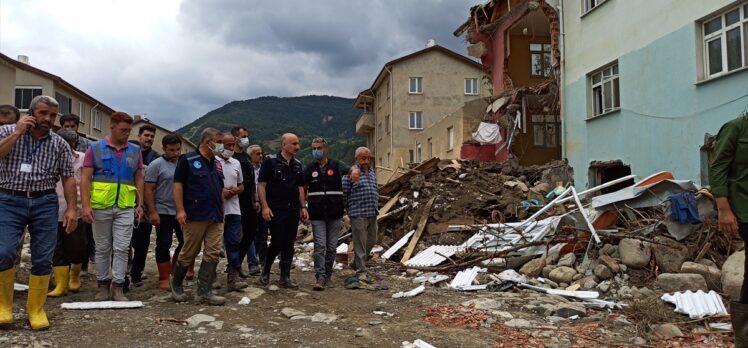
[79, 197]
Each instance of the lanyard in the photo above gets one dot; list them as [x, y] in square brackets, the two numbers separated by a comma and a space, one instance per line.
[29, 152]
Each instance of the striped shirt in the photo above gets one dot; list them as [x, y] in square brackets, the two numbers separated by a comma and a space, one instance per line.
[49, 158]
[362, 197]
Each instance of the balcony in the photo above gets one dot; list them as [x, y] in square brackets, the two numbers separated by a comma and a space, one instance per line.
[365, 123]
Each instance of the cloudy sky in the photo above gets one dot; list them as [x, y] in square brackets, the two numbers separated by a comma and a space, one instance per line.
[175, 60]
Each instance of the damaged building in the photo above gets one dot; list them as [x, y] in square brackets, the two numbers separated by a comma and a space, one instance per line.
[517, 43]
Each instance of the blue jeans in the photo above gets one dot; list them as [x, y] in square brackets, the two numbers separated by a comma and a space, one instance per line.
[232, 236]
[40, 215]
[325, 244]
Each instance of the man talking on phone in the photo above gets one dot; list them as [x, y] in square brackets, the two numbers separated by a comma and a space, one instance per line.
[32, 160]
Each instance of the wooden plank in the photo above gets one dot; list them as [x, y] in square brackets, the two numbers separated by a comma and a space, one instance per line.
[388, 206]
[395, 185]
[419, 230]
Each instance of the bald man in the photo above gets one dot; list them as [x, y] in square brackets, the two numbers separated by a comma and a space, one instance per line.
[281, 192]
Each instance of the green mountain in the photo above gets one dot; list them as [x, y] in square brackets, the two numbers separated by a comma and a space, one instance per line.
[267, 118]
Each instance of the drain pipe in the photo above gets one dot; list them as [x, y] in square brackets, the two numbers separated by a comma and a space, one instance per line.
[562, 69]
[392, 117]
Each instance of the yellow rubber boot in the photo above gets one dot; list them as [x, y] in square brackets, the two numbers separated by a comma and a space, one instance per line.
[38, 286]
[61, 281]
[7, 277]
[74, 285]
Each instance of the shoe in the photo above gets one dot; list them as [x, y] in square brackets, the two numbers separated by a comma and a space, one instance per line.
[232, 281]
[144, 277]
[175, 283]
[328, 282]
[61, 281]
[74, 284]
[103, 293]
[265, 275]
[118, 292]
[137, 282]
[285, 278]
[739, 316]
[320, 284]
[164, 268]
[205, 278]
[254, 270]
[243, 273]
[37, 296]
[7, 278]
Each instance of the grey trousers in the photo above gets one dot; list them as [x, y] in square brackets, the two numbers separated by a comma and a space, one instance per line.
[112, 232]
[326, 234]
[364, 237]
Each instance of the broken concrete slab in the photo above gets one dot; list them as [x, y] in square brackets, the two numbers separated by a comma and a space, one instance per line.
[634, 252]
[732, 274]
[669, 254]
[674, 282]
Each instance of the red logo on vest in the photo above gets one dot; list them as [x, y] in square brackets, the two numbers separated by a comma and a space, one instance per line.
[330, 172]
[219, 167]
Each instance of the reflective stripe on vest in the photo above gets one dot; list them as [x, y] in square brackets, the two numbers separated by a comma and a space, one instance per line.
[113, 180]
[328, 193]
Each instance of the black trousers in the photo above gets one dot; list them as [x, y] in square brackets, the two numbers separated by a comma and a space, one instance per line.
[249, 230]
[164, 236]
[141, 240]
[743, 230]
[70, 248]
[283, 229]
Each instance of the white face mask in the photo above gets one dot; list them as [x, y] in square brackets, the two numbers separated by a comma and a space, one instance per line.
[227, 154]
[244, 142]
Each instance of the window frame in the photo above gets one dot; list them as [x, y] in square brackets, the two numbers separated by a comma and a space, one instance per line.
[586, 8]
[473, 86]
[721, 34]
[387, 124]
[545, 71]
[97, 120]
[450, 138]
[60, 98]
[542, 121]
[413, 118]
[419, 154]
[614, 79]
[82, 111]
[418, 86]
[25, 108]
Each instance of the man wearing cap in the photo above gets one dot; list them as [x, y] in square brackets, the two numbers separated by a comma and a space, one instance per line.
[324, 189]
[32, 160]
[112, 195]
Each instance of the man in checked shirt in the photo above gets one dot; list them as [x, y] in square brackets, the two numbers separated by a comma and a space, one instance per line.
[361, 195]
[32, 160]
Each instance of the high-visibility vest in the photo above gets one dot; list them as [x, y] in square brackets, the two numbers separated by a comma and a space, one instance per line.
[113, 180]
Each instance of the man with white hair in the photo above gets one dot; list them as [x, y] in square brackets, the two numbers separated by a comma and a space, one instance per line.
[362, 203]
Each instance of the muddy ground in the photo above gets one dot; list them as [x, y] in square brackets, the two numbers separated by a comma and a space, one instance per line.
[439, 316]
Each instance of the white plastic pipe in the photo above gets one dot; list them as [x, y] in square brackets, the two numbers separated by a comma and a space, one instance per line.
[599, 187]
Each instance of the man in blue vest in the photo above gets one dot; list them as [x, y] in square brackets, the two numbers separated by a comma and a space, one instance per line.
[323, 181]
[112, 195]
[198, 196]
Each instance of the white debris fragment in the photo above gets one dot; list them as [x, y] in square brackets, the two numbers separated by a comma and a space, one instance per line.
[244, 301]
[416, 344]
[411, 293]
[20, 287]
[103, 305]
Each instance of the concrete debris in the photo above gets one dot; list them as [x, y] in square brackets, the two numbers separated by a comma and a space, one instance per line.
[198, 319]
[411, 293]
[672, 282]
[416, 344]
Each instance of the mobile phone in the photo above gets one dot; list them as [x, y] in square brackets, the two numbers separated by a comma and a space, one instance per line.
[31, 113]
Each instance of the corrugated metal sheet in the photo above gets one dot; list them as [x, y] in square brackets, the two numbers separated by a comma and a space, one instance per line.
[464, 278]
[432, 256]
[499, 237]
[696, 304]
[391, 251]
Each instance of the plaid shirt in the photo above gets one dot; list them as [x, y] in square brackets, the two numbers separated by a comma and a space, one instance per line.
[50, 159]
[362, 197]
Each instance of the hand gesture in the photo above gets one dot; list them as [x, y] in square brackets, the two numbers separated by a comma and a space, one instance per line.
[267, 214]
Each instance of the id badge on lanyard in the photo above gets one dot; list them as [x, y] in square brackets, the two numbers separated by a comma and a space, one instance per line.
[26, 164]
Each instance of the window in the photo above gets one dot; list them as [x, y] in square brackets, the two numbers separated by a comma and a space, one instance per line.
[605, 91]
[380, 131]
[450, 138]
[66, 104]
[418, 153]
[471, 86]
[725, 43]
[540, 60]
[24, 94]
[97, 120]
[415, 120]
[411, 156]
[82, 111]
[589, 5]
[387, 123]
[545, 130]
[416, 85]
[431, 148]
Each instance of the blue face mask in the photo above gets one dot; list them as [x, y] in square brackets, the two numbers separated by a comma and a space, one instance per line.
[318, 154]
